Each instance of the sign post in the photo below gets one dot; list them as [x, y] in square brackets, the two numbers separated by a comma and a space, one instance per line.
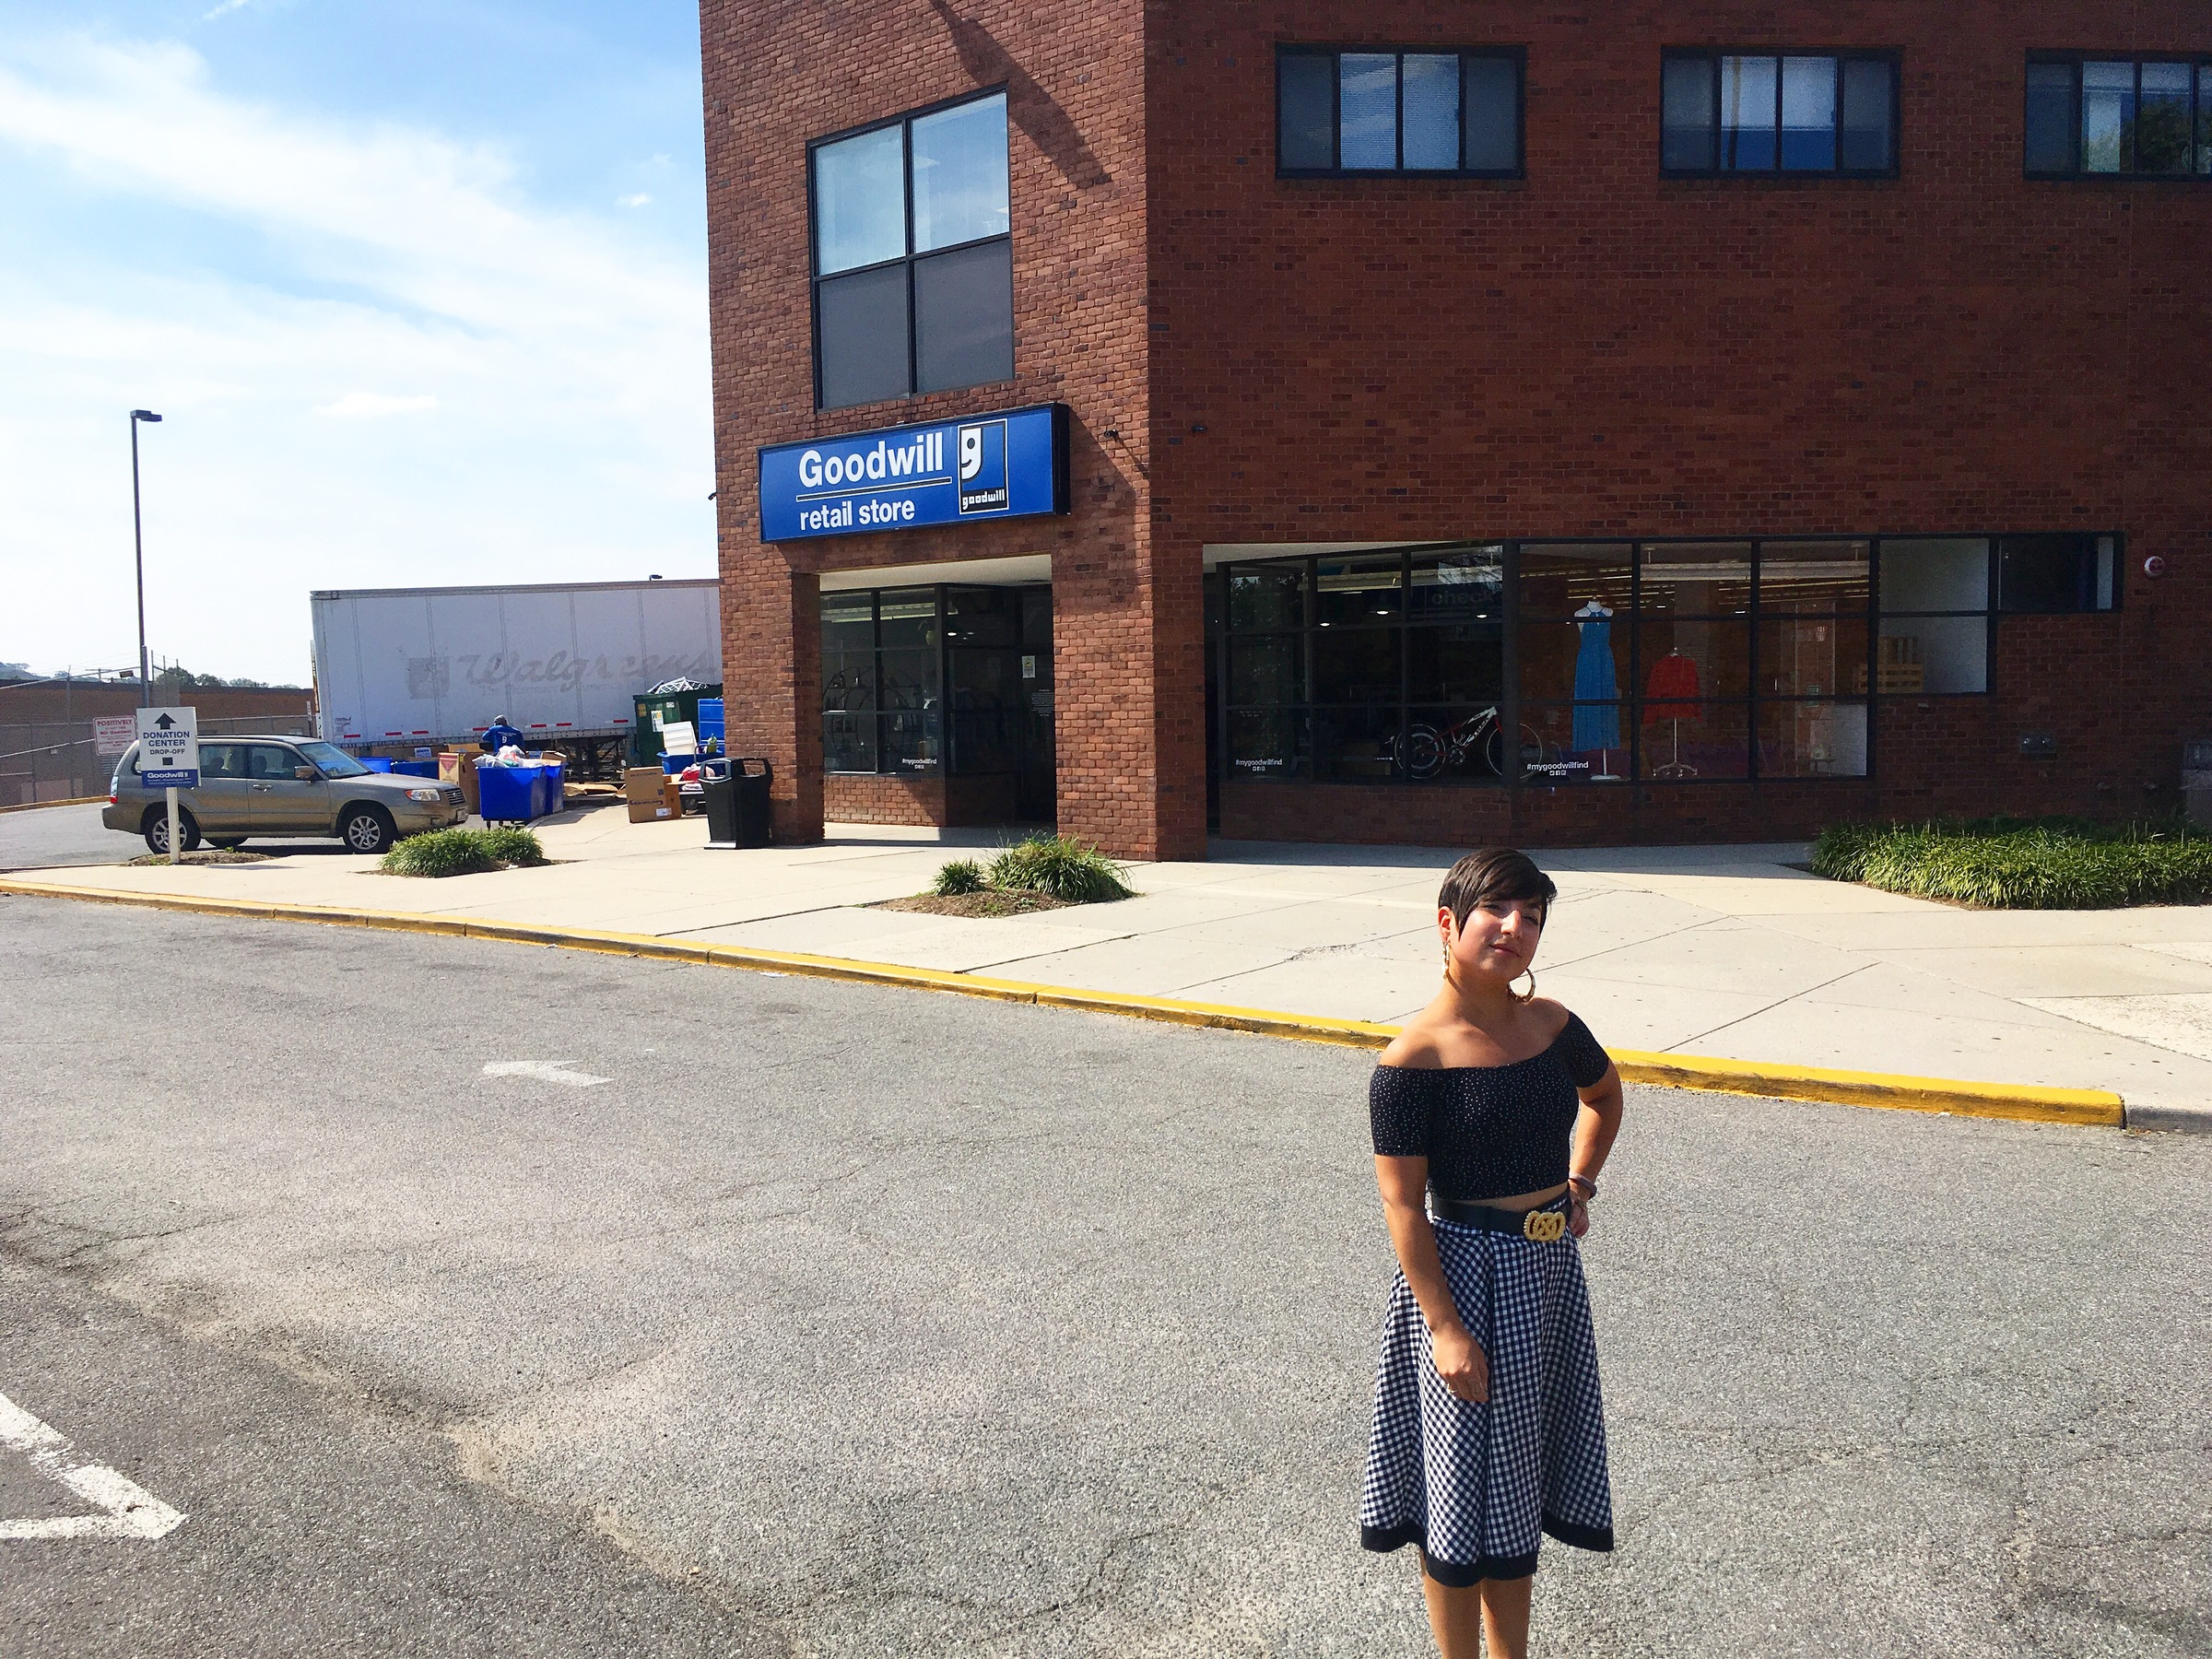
[169, 759]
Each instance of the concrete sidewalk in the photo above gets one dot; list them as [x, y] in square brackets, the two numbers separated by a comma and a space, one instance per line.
[1725, 951]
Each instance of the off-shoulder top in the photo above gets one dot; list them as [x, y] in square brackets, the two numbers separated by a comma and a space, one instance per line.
[1487, 1130]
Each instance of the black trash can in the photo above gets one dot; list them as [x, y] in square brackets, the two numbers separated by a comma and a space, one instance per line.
[737, 805]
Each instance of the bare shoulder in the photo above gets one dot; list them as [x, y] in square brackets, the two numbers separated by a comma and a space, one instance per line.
[1552, 1017]
[1415, 1047]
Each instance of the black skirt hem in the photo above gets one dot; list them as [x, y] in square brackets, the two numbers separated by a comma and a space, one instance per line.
[1462, 1575]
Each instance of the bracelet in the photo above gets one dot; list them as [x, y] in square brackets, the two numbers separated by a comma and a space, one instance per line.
[1583, 1187]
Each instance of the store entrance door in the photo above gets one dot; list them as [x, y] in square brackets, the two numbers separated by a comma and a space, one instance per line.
[1037, 779]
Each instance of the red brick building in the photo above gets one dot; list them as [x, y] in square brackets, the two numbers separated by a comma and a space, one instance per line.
[1699, 421]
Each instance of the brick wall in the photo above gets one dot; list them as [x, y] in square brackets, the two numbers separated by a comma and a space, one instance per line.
[1596, 351]
[1592, 350]
[888, 798]
[776, 77]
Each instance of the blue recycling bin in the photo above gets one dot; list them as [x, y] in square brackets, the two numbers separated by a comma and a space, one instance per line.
[376, 763]
[414, 768]
[509, 795]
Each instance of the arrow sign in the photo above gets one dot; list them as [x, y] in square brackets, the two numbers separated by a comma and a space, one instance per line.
[126, 1510]
[168, 749]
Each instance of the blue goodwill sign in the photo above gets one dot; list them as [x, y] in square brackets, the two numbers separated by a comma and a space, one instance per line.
[947, 472]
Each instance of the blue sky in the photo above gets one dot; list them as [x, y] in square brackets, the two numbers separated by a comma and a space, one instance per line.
[419, 289]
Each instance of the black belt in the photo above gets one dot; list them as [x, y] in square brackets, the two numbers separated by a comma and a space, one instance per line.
[1547, 1224]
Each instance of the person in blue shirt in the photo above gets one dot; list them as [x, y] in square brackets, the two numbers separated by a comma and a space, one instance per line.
[498, 736]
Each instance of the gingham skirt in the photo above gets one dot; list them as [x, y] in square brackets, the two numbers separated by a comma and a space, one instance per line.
[1476, 1485]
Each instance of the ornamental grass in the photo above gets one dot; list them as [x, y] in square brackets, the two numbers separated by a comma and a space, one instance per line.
[2024, 864]
[463, 852]
[1054, 866]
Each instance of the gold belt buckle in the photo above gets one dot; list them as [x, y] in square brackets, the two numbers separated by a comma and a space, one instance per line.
[1544, 1227]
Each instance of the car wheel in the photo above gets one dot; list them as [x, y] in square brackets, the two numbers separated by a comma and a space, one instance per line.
[157, 830]
[227, 844]
[366, 830]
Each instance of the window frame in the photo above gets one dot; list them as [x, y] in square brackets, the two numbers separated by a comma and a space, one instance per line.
[912, 257]
[1515, 55]
[1891, 56]
[1307, 759]
[2200, 121]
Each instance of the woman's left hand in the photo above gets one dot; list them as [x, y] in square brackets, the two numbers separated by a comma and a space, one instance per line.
[1577, 1222]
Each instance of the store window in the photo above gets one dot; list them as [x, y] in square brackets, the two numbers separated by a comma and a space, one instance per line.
[2119, 118]
[1671, 662]
[1748, 112]
[1347, 112]
[913, 274]
[949, 679]
[1379, 668]
[1940, 599]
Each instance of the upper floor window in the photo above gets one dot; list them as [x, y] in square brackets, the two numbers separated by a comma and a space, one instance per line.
[913, 263]
[1738, 113]
[2149, 119]
[1341, 111]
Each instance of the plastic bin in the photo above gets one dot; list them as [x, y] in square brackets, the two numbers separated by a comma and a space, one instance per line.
[511, 794]
[737, 814]
[377, 763]
[415, 769]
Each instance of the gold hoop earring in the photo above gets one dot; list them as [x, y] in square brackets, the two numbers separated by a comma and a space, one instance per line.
[1529, 995]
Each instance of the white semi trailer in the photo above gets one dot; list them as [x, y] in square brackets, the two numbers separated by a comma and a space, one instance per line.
[430, 667]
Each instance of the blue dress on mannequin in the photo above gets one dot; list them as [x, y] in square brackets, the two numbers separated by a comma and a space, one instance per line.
[1596, 685]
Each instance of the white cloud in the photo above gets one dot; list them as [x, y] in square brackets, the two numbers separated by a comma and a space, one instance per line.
[572, 439]
[368, 405]
[632, 201]
[225, 9]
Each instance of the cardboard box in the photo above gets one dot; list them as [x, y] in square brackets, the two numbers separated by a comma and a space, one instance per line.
[461, 769]
[642, 783]
[645, 812]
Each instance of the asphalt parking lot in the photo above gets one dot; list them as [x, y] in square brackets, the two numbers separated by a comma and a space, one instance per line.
[840, 1321]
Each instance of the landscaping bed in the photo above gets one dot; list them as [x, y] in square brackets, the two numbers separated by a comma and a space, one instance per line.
[2024, 864]
[989, 902]
[203, 855]
[463, 852]
[1044, 872]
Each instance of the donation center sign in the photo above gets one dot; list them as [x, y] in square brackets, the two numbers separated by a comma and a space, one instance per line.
[947, 472]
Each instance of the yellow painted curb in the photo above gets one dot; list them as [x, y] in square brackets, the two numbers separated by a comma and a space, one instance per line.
[36, 806]
[2090, 1106]
[2093, 1106]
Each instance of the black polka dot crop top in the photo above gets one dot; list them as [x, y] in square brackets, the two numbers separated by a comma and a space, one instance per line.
[1487, 1130]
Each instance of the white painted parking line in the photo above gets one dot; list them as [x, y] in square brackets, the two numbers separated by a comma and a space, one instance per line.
[545, 1071]
[127, 1508]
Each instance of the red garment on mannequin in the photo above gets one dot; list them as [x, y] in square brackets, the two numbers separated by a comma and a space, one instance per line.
[1671, 690]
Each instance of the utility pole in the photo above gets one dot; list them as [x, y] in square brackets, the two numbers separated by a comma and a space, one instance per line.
[146, 668]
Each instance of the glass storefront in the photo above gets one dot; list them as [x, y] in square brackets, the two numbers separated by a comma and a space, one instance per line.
[927, 680]
[1604, 662]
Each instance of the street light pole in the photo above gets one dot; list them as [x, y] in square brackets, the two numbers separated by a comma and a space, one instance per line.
[145, 673]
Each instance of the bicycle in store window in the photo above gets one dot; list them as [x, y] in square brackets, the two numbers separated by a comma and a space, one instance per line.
[1426, 750]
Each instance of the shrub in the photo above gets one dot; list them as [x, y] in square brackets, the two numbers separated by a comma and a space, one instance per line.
[961, 876]
[512, 845]
[1067, 869]
[462, 853]
[2022, 864]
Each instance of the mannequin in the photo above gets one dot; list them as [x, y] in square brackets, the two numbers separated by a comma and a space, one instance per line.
[1596, 688]
[1670, 693]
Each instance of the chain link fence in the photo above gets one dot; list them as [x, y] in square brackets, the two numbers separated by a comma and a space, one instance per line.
[58, 760]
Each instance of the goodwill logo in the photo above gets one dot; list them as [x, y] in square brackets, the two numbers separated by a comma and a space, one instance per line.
[1010, 464]
[982, 451]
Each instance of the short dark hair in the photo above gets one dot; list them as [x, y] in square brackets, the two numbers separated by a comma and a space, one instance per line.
[1491, 874]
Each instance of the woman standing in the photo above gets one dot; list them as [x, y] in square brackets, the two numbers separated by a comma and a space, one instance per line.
[1497, 1108]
